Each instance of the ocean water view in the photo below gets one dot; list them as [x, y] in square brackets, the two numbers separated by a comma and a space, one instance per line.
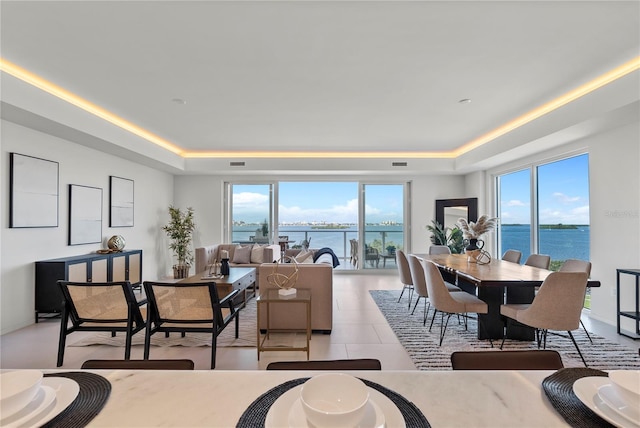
[560, 244]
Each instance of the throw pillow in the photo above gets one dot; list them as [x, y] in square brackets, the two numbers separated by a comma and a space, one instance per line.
[257, 254]
[242, 255]
[303, 255]
[307, 261]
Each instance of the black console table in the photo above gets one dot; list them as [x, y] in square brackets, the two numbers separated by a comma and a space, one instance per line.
[634, 315]
[118, 266]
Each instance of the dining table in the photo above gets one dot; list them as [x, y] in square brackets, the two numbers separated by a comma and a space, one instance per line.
[496, 282]
[253, 398]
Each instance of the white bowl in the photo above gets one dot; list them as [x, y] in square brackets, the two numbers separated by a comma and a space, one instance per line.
[334, 400]
[626, 383]
[17, 389]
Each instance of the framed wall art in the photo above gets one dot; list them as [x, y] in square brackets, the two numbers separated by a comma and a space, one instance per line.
[85, 214]
[120, 202]
[33, 199]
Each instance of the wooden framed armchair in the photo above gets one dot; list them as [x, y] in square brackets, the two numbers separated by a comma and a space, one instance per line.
[188, 308]
[100, 306]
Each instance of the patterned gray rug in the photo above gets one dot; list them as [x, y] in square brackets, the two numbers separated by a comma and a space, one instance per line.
[247, 335]
[423, 348]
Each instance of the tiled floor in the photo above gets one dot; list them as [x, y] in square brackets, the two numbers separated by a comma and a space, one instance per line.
[359, 331]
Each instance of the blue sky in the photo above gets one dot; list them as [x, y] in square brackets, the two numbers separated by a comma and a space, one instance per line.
[329, 202]
[563, 193]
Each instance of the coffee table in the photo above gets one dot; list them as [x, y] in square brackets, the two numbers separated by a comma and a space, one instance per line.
[239, 278]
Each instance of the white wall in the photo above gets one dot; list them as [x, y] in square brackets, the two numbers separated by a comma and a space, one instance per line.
[77, 165]
[614, 180]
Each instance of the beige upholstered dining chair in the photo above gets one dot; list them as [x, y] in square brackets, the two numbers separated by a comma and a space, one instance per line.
[418, 277]
[574, 265]
[450, 303]
[538, 260]
[100, 306]
[188, 308]
[557, 306]
[405, 275]
[439, 249]
[513, 256]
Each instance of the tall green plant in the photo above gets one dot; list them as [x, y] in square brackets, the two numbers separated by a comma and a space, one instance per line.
[180, 230]
[451, 237]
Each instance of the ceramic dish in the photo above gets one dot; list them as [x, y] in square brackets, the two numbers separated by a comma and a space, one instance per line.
[287, 411]
[45, 398]
[19, 388]
[65, 391]
[611, 398]
[586, 389]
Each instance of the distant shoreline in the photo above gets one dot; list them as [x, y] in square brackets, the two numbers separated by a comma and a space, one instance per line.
[553, 226]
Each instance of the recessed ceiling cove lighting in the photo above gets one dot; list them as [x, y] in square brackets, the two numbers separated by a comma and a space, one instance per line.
[464, 101]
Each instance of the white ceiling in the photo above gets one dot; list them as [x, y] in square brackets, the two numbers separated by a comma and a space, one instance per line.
[312, 75]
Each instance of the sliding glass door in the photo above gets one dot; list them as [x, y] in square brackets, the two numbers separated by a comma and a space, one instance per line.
[251, 213]
[383, 226]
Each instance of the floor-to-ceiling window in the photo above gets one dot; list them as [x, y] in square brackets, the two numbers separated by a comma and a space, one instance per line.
[250, 212]
[514, 212]
[545, 209]
[383, 224]
[324, 214]
[563, 209]
[337, 215]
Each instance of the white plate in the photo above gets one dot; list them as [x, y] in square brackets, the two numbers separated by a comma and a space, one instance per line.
[586, 389]
[43, 399]
[613, 400]
[287, 409]
[66, 390]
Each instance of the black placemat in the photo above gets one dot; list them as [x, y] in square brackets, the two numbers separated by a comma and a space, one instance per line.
[559, 389]
[93, 395]
[256, 413]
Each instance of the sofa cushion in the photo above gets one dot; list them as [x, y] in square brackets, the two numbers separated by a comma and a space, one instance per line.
[304, 255]
[242, 255]
[257, 254]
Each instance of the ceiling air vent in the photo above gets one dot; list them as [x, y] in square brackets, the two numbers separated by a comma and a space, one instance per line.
[236, 163]
[398, 164]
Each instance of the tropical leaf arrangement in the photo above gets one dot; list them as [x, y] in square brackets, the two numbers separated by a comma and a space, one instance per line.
[471, 230]
[451, 237]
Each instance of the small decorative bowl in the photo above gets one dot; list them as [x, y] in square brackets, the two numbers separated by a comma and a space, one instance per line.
[334, 400]
[19, 387]
[626, 383]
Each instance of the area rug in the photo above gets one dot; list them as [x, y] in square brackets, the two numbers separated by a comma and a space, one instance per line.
[423, 348]
[246, 338]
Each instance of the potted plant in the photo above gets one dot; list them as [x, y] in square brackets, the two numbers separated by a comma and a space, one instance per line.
[179, 230]
[451, 237]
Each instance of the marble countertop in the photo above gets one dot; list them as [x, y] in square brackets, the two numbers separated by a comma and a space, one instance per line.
[218, 398]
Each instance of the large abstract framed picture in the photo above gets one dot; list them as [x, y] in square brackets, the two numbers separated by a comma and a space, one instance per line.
[120, 202]
[33, 199]
[85, 214]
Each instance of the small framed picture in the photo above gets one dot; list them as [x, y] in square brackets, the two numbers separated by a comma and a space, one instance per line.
[85, 214]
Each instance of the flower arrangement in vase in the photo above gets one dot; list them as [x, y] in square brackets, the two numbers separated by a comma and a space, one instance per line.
[472, 231]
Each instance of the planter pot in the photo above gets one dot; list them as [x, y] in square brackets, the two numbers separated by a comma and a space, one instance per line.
[181, 271]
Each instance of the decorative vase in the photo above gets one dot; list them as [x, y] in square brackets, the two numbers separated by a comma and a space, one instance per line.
[116, 243]
[473, 249]
[224, 267]
[181, 271]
